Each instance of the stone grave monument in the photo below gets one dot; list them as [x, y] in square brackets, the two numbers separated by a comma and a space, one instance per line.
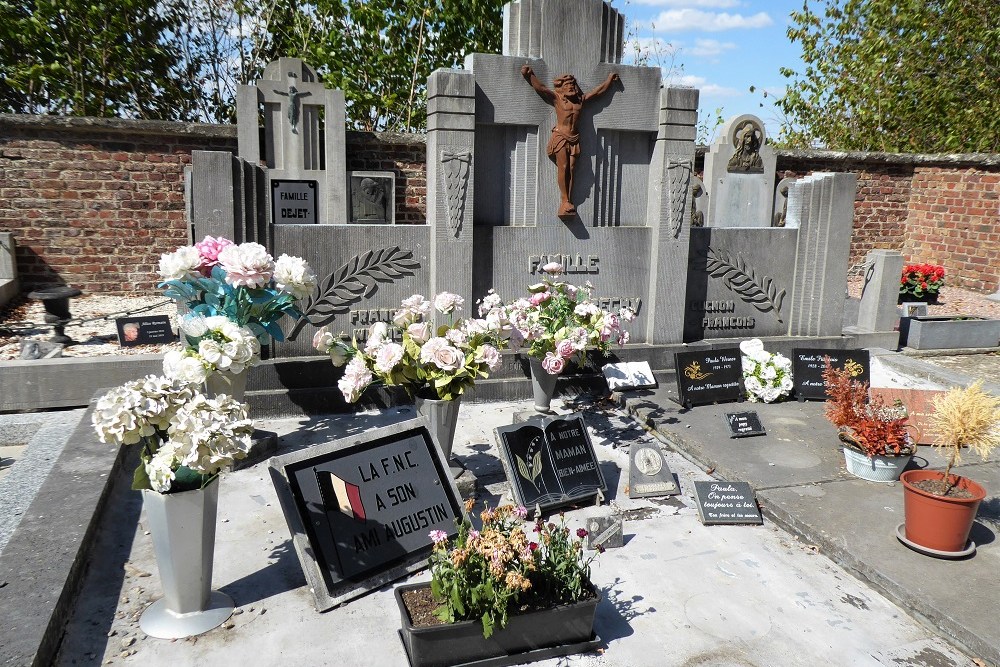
[699, 261]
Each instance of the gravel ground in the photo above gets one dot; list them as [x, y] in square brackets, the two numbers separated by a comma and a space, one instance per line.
[93, 324]
[92, 327]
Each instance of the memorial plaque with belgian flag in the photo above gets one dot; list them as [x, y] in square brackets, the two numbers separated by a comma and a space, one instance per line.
[360, 509]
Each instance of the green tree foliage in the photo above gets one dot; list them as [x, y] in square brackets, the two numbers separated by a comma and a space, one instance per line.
[90, 59]
[895, 75]
[183, 59]
[380, 52]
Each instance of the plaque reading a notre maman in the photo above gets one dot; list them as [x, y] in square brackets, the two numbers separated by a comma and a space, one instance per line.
[744, 424]
[808, 365]
[709, 376]
[648, 474]
[550, 462]
[726, 503]
[293, 202]
[360, 509]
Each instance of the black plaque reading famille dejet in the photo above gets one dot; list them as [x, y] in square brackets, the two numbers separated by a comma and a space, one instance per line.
[152, 329]
[808, 365]
[360, 509]
[744, 424]
[550, 462]
[726, 503]
[709, 376]
[293, 202]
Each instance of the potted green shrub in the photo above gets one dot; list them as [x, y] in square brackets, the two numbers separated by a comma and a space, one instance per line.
[497, 592]
[939, 506]
[877, 446]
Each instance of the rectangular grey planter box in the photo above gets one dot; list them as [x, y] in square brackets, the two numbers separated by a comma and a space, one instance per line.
[939, 333]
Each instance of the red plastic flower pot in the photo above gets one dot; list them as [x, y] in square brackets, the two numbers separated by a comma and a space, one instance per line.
[939, 522]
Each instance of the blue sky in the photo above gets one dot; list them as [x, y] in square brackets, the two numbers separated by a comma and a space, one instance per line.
[721, 47]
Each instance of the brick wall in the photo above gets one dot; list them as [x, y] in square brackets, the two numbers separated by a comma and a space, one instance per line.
[954, 220]
[93, 208]
[94, 202]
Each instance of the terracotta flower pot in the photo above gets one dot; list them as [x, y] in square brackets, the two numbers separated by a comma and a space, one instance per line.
[939, 522]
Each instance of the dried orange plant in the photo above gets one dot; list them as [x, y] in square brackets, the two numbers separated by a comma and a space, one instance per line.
[868, 425]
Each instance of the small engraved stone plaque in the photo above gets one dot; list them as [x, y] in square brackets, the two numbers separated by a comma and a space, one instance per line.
[744, 424]
[629, 375]
[648, 474]
[605, 532]
[372, 197]
[154, 329]
[726, 503]
[293, 202]
[709, 376]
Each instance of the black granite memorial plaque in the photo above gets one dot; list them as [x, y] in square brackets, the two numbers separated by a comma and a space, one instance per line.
[153, 329]
[293, 202]
[648, 474]
[709, 376]
[361, 509]
[726, 503]
[744, 424]
[808, 364]
[550, 462]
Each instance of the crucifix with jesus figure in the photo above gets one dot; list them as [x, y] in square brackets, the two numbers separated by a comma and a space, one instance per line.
[564, 146]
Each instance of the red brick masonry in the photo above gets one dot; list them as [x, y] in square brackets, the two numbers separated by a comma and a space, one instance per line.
[94, 202]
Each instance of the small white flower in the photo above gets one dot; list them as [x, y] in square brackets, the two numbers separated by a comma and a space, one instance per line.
[180, 264]
[446, 302]
[294, 276]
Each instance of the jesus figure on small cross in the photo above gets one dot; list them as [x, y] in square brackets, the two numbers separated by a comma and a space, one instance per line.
[564, 147]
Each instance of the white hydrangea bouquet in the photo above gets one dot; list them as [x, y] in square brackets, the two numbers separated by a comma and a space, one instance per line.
[439, 364]
[560, 321]
[213, 343]
[186, 437]
[243, 283]
[766, 376]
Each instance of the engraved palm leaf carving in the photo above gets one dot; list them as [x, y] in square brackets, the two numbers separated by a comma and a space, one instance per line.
[761, 293]
[456, 179]
[356, 279]
[680, 179]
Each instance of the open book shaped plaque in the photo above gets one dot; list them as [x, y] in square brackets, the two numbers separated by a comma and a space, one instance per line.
[550, 462]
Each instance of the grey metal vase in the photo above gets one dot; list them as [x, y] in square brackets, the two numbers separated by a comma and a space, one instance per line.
[183, 530]
[224, 382]
[543, 385]
[443, 418]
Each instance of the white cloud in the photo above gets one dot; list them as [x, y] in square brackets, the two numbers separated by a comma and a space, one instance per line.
[717, 4]
[702, 84]
[709, 48]
[695, 19]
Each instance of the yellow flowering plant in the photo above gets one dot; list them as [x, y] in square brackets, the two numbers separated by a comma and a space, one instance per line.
[486, 574]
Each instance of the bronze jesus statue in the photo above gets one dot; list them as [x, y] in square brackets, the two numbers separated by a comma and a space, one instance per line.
[564, 146]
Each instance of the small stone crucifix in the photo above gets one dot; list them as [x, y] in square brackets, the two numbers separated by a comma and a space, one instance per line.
[293, 103]
[564, 146]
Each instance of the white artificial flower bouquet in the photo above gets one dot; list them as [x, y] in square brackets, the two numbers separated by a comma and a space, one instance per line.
[186, 437]
[213, 343]
[241, 282]
[439, 364]
[766, 376]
